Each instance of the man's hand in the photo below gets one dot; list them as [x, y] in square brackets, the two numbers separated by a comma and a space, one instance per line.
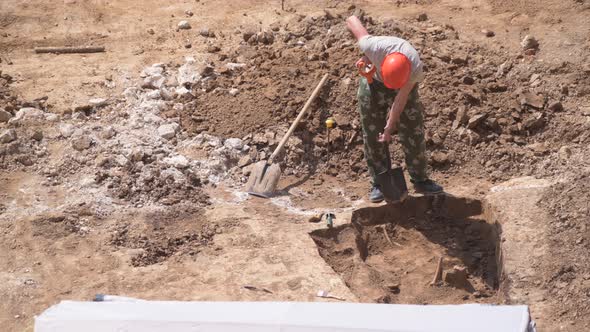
[385, 136]
[364, 61]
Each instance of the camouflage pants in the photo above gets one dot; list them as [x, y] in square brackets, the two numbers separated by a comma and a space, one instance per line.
[374, 103]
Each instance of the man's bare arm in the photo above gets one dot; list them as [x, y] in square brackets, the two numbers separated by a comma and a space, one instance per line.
[356, 27]
[398, 106]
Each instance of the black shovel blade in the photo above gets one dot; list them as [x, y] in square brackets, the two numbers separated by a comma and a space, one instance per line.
[393, 185]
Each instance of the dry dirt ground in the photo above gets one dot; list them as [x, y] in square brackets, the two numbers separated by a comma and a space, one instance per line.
[121, 172]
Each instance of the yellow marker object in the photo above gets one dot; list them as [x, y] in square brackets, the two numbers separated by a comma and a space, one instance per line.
[330, 123]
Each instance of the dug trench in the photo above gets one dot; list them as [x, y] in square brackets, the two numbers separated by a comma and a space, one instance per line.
[389, 254]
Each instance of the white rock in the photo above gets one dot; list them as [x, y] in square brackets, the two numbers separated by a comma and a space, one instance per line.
[4, 115]
[178, 161]
[131, 93]
[51, 117]
[153, 94]
[121, 160]
[8, 136]
[27, 114]
[182, 91]
[66, 130]
[154, 81]
[184, 25]
[98, 102]
[155, 69]
[234, 92]
[233, 143]
[173, 173]
[165, 93]
[234, 66]
[168, 131]
[179, 107]
[209, 140]
[188, 73]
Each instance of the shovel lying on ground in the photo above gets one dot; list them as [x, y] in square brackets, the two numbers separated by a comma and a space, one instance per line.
[266, 174]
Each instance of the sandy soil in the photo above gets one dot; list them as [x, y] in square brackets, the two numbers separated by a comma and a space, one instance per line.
[120, 215]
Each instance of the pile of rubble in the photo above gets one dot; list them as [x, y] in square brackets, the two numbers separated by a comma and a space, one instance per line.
[492, 112]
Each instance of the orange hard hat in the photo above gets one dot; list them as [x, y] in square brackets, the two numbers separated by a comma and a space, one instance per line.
[395, 70]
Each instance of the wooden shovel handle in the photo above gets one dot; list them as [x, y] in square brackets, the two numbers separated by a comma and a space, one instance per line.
[297, 120]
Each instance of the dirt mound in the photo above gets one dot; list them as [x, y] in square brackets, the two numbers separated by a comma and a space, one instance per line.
[391, 256]
[22, 129]
[162, 235]
[484, 109]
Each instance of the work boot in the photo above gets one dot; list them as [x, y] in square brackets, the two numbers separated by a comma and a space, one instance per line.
[375, 195]
[427, 187]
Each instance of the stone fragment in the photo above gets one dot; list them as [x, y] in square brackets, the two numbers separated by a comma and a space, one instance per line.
[8, 136]
[108, 132]
[245, 161]
[4, 115]
[233, 143]
[556, 106]
[422, 17]
[188, 73]
[533, 100]
[98, 102]
[439, 157]
[66, 130]
[488, 33]
[81, 143]
[565, 152]
[184, 25]
[233, 92]
[475, 120]
[37, 135]
[27, 115]
[178, 161]
[529, 42]
[168, 131]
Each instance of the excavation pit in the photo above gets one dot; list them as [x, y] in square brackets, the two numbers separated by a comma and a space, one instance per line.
[389, 254]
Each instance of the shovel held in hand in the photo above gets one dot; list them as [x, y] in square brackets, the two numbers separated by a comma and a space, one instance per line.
[266, 173]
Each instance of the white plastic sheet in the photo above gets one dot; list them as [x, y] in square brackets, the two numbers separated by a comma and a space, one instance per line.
[152, 316]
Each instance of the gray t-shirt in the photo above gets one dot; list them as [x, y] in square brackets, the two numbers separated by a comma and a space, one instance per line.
[376, 48]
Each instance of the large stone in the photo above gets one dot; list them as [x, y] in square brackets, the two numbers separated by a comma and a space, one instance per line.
[8, 136]
[4, 115]
[168, 131]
